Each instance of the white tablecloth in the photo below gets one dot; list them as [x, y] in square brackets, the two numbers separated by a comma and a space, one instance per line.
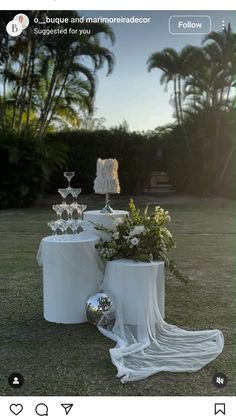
[107, 220]
[126, 280]
[72, 272]
[146, 344]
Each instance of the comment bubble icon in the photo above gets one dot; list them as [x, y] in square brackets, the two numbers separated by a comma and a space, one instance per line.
[41, 409]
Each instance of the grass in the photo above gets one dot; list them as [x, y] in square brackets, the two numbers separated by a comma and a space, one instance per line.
[74, 359]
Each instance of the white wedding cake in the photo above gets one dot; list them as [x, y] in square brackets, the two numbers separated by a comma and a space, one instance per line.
[107, 180]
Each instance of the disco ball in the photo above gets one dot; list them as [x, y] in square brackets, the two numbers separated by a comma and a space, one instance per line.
[100, 310]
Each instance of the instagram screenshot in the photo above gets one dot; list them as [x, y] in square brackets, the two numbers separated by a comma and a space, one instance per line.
[117, 194]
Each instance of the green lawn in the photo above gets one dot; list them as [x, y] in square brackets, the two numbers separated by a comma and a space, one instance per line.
[74, 359]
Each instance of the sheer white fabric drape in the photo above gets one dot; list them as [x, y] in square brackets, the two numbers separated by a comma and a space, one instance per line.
[146, 344]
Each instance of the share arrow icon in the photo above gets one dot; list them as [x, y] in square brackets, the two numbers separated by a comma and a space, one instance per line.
[67, 408]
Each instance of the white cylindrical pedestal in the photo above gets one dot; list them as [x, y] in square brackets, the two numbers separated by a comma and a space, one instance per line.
[133, 285]
[107, 220]
[72, 272]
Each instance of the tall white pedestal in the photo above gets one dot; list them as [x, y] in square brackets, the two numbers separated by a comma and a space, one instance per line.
[107, 220]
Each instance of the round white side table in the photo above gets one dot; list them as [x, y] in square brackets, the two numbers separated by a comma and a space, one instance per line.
[107, 220]
[72, 272]
[133, 285]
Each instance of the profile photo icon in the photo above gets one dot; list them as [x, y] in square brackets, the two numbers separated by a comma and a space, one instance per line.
[17, 25]
[22, 19]
[14, 28]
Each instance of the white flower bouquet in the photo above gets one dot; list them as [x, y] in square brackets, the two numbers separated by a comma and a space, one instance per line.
[140, 237]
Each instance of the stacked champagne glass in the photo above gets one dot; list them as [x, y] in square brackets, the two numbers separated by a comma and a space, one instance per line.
[69, 215]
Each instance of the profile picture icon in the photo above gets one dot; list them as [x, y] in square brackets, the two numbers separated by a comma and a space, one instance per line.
[14, 28]
[22, 19]
[17, 25]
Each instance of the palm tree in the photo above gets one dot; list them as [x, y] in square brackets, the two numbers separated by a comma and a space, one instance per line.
[45, 77]
[175, 66]
[203, 78]
[168, 61]
[224, 44]
[68, 58]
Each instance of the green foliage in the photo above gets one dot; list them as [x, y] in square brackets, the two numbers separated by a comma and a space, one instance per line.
[140, 237]
[134, 151]
[25, 167]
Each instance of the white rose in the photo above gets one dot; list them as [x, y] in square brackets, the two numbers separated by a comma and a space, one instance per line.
[136, 231]
[117, 221]
[134, 241]
[116, 235]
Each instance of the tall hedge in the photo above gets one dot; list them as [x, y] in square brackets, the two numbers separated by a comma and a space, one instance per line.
[134, 151]
[208, 167]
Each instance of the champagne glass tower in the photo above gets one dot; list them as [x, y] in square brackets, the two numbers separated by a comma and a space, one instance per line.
[73, 211]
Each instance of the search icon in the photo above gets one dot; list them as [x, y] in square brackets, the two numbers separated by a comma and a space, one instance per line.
[41, 409]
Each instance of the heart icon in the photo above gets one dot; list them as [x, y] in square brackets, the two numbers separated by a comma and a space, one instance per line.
[16, 408]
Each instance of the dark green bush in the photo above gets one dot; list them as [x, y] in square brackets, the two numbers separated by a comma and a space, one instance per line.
[25, 167]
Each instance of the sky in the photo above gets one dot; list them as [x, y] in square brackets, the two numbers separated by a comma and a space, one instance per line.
[132, 93]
